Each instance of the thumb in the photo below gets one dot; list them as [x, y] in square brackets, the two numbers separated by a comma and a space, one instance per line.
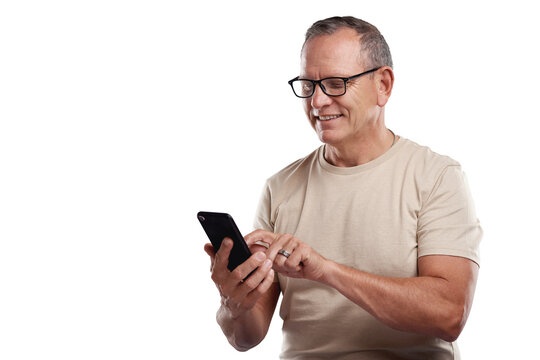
[209, 249]
[222, 255]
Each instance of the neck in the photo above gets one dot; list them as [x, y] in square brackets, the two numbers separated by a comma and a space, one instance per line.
[363, 149]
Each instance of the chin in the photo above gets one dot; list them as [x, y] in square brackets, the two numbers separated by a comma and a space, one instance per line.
[329, 137]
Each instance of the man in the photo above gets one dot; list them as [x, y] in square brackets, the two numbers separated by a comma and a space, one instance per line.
[372, 239]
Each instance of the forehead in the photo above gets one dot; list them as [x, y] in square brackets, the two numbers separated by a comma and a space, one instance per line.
[337, 54]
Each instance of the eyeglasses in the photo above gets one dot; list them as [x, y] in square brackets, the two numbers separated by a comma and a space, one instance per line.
[331, 86]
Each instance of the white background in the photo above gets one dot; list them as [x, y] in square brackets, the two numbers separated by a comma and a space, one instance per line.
[119, 120]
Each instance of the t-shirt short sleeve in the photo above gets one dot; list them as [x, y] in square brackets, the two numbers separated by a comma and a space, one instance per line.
[447, 222]
[263, 214]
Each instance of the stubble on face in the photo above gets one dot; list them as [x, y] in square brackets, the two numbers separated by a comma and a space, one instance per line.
[336, 119]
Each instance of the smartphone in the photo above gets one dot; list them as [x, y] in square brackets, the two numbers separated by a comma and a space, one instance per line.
[219, 226]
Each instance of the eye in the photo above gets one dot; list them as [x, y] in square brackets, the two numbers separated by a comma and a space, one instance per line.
[303, 87]
[307, 86]
[334, 84]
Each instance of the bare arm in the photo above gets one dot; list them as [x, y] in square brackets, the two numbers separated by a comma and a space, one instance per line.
[247, 305]
[435, 303]
[250, 328]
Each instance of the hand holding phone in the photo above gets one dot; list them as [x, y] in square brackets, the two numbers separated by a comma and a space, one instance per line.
[249, 277]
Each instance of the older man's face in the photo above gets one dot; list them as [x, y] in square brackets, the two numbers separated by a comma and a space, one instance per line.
[339, 120]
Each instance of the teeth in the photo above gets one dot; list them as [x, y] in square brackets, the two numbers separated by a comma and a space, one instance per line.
[330, 117]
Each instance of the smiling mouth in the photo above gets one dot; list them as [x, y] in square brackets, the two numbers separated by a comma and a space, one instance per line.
[329, 117]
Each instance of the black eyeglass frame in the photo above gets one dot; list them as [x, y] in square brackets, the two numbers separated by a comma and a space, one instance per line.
[315, 82]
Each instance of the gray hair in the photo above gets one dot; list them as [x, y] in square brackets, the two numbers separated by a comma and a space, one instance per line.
[374, 49]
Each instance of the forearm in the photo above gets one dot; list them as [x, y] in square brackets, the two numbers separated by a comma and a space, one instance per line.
[248, 296]
[418, 305]
[242, 331]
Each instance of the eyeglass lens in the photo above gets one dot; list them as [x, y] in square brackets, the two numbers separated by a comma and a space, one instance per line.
[330, 86]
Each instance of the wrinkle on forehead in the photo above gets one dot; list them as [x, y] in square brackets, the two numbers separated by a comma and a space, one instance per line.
[337, 54]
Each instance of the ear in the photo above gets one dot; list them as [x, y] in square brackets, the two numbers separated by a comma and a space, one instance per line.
[385, 83]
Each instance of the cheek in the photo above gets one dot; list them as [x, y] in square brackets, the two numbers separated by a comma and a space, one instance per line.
[307, 106]
[352, 108]
[307, 109]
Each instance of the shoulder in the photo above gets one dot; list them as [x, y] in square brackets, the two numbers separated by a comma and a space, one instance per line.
[295, 172]
[423, 155]
[427, 169]
[425, 162]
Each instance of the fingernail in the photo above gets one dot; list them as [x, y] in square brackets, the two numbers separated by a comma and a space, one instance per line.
[267, 263]
[259, 255]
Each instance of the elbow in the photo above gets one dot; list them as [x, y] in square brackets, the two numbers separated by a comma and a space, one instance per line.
[243, 347]
[454, 324]
[450, 336]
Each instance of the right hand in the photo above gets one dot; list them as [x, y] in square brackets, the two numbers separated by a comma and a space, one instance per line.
[238, 295]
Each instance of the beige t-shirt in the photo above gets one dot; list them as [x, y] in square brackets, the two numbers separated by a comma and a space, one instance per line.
[378, 217]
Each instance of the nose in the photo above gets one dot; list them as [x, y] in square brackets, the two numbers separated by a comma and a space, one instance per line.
[319, 98]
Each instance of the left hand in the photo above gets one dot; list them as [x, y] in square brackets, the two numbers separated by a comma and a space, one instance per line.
[303, 262]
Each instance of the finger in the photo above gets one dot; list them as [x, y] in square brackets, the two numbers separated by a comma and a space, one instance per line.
[209, 249]
[240, 285]
[258, 246]
[263, 287]
[219, 269]
[244, 269]
[222, 255]
[284, 242]
[294, 262]
[255, 279]
[260, 235]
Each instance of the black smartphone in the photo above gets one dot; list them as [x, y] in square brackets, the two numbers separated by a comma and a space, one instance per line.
[219, 226]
